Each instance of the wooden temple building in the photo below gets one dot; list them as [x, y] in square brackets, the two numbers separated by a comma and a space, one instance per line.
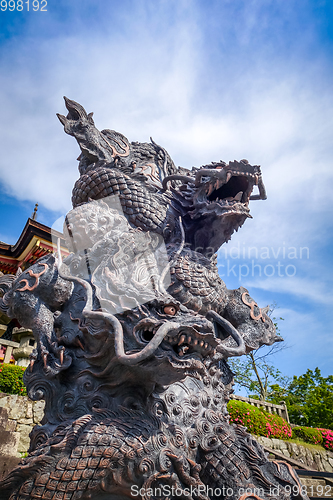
[35, 241]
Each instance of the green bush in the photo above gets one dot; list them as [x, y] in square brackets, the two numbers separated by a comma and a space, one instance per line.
[308, 434]
[11, 379]
[258, 421]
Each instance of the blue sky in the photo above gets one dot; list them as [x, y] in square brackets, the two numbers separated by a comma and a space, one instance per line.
[224, 79]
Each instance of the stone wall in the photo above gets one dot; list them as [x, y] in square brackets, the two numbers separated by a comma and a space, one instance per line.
[314, 458]
[23, 414]
[9, 440]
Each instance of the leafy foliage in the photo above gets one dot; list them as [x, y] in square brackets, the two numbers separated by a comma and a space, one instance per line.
[308, 434]
[262, 423]
[315, 436]
[257, 421]
[309, 399]
[11, 379]
[256, 373]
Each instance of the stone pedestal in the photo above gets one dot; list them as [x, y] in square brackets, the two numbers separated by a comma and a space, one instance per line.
[27, 343]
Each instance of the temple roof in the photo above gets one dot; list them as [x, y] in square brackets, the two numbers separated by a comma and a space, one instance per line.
[34, 242]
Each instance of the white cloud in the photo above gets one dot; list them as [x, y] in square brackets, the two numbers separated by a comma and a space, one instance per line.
[300, 287]
[148, 85]
[309, 340]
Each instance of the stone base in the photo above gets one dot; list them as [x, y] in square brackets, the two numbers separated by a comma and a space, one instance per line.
[9, 441]
[314, 458]
[7, 464]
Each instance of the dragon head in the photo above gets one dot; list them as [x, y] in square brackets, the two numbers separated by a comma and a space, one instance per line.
[156, 343]
[95, 145]
[189, 343]
[214, 201]
[110, 149]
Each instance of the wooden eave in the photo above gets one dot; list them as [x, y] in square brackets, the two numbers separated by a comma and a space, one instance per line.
[34, 242]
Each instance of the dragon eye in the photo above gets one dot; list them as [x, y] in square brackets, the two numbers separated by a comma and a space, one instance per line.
[170, 310]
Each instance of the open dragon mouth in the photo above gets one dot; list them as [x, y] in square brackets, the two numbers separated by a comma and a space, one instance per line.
[237, 189]
[188, 343]
[184, 341]
[224, 189]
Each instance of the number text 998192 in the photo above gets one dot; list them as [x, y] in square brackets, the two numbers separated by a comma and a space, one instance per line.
[20, 5]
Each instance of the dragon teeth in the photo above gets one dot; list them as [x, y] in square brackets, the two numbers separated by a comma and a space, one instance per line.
[238, 196]
[186, 341]
[182, 340]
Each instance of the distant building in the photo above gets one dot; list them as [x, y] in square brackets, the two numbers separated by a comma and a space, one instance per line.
[34, 242]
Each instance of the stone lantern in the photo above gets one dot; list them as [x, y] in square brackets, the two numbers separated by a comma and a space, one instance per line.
[27, 343]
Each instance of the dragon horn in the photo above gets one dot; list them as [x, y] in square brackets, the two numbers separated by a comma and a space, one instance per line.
[90, 118]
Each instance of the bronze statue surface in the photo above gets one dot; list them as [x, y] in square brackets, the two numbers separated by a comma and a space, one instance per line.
[134, 329]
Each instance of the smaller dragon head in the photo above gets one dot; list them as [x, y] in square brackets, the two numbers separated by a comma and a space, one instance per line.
[158, 342]
[253, 322]
[106, 145]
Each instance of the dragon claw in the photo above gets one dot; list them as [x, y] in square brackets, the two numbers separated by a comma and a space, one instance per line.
[79, 343]
[44, 356]
[32, 357]
[61, 355]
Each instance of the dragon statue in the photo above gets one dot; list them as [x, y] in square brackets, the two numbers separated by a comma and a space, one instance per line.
[134, 329]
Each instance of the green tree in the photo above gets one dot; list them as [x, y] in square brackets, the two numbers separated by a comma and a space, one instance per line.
[258, 376]
[256, 373]
[309, 399]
